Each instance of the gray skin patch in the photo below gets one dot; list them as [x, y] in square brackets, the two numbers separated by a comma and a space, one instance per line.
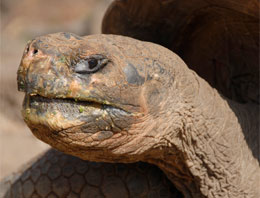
[104, 135]
[85, 78]
[132, 75]
[66, 35]
[76, 37]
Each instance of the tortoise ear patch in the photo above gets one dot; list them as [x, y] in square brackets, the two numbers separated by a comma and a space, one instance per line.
[132, 75]
[69, 36]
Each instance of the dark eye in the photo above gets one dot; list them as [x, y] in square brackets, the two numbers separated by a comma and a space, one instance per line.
[90, 65]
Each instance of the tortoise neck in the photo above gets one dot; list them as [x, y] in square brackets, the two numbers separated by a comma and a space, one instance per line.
[205, 151]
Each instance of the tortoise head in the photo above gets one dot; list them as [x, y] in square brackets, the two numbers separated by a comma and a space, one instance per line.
[96, 97]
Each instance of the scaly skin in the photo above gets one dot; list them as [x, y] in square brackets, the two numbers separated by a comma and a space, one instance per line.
[57, 175]
[143, 104]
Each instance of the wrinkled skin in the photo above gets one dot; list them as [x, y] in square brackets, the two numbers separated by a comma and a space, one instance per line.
[219, 40]
[92, 111]
[143, 104]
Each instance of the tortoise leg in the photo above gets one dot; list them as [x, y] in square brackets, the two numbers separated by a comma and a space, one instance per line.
[55, 174]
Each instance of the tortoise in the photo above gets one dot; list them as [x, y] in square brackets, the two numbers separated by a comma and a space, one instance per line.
[116, 99]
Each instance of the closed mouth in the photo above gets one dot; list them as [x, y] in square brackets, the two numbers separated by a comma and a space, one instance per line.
[67, 106]
[58, 114]
[65, 101]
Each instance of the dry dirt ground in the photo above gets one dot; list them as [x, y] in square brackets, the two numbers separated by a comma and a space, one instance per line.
[21, 21]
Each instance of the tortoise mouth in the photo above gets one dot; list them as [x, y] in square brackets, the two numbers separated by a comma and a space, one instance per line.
[62, 113]
[58, 113]
[63, 105]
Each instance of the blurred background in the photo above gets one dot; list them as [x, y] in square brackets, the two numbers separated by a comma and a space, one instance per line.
[22, 20]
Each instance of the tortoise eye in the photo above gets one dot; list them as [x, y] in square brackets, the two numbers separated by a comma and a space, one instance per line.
[90, 64]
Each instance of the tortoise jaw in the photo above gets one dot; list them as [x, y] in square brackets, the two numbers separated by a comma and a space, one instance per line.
[66, 106]
[39, 98]
[62, 113]
[89, 100]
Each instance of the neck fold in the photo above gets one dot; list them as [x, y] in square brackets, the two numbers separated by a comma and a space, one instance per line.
[208, 146]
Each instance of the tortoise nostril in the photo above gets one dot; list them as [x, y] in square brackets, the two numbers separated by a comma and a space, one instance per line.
[27, 49]
[35, 51]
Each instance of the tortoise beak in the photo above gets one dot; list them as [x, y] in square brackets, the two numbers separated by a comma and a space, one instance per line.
[31, 56]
